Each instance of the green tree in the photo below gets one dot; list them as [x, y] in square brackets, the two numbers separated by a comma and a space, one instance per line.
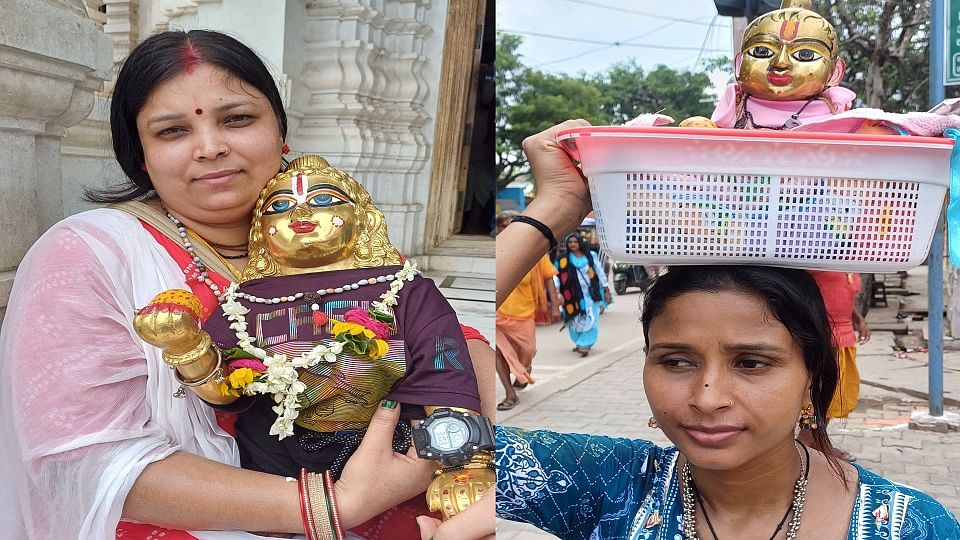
[628, 92]
[886, 47]
[530, 101]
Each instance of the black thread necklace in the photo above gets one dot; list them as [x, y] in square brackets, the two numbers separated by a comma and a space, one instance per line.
[790, 123]
[233, 257]
[706, 516]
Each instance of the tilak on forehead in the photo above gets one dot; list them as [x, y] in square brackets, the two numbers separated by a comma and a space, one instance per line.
[792, 15]
[789, 29]
[298, 184]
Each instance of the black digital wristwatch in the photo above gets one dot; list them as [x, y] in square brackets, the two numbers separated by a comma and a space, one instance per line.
[453, 437]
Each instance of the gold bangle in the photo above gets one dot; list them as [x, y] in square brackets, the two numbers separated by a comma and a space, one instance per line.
[192, 355]
[323, 527]
[216, 373]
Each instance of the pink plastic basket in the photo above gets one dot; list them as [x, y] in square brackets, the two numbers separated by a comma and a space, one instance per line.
[843, 202]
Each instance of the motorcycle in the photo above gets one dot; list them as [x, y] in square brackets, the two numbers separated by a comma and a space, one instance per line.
[631, 275]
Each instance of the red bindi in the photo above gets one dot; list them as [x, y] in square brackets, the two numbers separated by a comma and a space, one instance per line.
[198, 111]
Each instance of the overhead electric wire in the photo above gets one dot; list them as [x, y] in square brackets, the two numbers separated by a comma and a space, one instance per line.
[605, 47]
[703, 45]
[614, 43]
[644, 13]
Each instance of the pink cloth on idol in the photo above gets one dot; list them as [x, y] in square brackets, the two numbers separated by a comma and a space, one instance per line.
[774, 113]
[921, 124]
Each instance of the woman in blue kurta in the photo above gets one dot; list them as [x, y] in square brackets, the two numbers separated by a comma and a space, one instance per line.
[736, 359]
[583, 286]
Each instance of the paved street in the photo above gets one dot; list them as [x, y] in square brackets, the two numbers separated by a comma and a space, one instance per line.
[603, 393]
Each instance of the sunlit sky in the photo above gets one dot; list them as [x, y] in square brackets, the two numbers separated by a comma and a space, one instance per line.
[573, 36]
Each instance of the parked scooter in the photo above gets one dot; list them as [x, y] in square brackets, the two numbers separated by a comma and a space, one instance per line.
[627, 275]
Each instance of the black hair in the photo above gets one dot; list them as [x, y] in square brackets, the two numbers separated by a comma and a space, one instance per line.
[584, 247]
[156, 60]
[791, 296]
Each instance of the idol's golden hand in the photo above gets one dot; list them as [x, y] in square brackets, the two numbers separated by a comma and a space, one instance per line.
[175, 332]
[453, 491]
[170, 321]
[698, 122]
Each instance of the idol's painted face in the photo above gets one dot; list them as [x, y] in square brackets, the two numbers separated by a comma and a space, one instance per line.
[787, 58]
[725, 389]
[309, 221]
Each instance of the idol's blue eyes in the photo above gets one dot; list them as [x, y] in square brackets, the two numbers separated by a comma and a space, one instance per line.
[279, 206]
[322, 197]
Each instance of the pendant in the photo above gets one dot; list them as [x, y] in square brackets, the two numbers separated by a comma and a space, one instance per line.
[791, 123]
[180, 393]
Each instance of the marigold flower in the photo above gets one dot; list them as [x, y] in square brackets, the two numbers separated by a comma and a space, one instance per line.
[241, 377]
[378, 348]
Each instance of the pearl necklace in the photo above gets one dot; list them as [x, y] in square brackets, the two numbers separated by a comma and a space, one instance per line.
[318, 293]
[204, 276]
[690, 496]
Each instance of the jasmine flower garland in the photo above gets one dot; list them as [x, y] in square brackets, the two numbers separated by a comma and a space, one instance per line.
[281, 378]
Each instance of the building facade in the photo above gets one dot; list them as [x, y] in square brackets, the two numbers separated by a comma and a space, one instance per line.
[383, 89]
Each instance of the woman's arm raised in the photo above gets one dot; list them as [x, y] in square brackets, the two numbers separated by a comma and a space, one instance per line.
[562, 202]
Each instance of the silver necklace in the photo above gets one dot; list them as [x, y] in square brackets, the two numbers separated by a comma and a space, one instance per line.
[689, 495]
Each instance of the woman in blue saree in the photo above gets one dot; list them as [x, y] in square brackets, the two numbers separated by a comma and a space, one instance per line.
[583, 287]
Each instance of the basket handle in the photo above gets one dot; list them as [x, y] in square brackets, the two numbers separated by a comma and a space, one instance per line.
[570, 145]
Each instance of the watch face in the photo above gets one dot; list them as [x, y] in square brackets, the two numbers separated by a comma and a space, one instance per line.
[448, 434]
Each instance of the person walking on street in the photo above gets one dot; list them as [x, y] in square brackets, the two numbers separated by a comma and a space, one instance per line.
[534, 296]
[839, 291]
[583, 286]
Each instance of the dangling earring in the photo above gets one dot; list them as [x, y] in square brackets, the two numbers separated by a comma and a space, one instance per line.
[652, 423]
[285, 149]
[808, 419]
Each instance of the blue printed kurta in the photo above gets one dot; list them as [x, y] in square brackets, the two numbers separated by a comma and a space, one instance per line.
[585, 487]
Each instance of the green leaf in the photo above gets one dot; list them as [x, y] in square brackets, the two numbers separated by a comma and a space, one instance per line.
[236, 353]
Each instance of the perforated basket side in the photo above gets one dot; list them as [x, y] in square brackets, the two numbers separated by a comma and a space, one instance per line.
[812, 222]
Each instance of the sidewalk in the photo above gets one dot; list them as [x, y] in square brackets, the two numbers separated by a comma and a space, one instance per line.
[604, 394]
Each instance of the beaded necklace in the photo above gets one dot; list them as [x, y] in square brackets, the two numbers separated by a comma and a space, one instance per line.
[691, 496]
[204, 276]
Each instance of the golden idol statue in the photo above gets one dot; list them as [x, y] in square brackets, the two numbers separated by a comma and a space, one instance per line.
[326, 323]
[787, 71]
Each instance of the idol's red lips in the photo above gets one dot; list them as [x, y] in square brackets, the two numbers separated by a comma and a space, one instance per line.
[218, 174]
[779, 79]
[303, 227]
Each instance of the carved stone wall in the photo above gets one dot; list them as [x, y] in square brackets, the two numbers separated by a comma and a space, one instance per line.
[52, 60]
[360, 78]
[363, 97]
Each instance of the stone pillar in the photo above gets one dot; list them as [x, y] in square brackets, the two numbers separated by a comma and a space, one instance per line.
[52, 60]
[362, 101]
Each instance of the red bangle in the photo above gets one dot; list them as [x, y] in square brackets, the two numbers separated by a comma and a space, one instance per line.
[334, 512]
[305, 514]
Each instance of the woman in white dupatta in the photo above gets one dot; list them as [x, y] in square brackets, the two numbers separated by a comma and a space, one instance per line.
[91, 435]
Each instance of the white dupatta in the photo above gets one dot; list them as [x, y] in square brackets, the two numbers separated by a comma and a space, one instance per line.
[85, 405]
